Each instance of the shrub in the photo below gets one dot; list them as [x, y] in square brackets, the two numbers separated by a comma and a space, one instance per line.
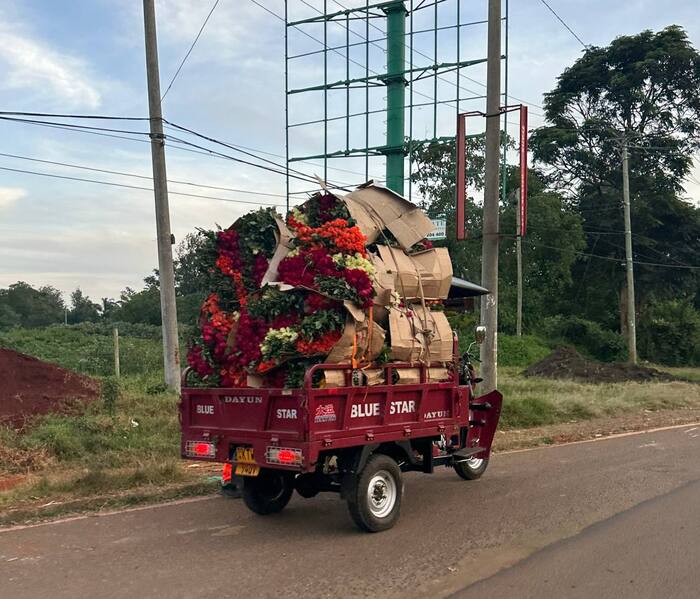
[587, 336]
[669, 333]
[521, 351]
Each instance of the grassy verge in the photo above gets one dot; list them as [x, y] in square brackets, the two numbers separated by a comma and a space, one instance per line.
[131, 444]
[531, 402]
[125, 450]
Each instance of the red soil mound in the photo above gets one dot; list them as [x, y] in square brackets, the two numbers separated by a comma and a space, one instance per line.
[29, 387]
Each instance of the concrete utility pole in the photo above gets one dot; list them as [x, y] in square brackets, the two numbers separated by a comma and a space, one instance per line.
[168, 310]
[489, 248]
[631, 316]
[519, 267]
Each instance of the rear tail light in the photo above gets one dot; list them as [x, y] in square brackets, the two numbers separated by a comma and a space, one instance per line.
[285, 456]
[200, 449]
[226, 474]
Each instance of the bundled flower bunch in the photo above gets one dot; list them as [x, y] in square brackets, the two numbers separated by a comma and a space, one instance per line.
[279, 332]
[235, 261]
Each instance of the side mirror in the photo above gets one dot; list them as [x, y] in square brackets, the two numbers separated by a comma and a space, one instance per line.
[480, 334]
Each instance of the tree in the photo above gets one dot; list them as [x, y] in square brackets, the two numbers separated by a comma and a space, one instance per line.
[22, 305]
[435, 179]
[642, 91]
[108, 308]
[83, 309]
[550, 250]
[140, 306]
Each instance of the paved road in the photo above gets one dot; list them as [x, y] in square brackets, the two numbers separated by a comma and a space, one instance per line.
[618, 517]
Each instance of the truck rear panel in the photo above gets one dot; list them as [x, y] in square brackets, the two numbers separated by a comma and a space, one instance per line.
[308, 421]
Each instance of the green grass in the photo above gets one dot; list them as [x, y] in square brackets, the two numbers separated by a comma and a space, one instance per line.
[133, 444]
[89, 348]
[530, 402]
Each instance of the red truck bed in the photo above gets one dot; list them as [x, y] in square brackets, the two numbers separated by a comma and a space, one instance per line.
[288, 429]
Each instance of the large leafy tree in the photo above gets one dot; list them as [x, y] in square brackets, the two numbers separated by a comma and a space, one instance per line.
[642, 91]
[23, 305]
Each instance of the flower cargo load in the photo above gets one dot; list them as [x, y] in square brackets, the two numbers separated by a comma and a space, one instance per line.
[344, 279]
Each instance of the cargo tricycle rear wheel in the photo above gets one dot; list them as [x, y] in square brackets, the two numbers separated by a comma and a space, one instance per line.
[471, 468]
[375, 500]
[269, 492]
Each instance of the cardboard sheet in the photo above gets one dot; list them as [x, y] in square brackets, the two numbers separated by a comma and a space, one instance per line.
[420, 335]
[385, 209]
[284, 237]
[368, 347]
[430, 271]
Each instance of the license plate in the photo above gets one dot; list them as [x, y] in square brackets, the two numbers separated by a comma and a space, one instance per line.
[245, 455]
[247, 470]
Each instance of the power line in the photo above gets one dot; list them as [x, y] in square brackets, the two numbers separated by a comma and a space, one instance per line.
[126, 186]
[137, 176]
[571, 31]
[95, 131]
[90, 129]
[72, 126]
[76, 116]
[619, 260]
[194, 43]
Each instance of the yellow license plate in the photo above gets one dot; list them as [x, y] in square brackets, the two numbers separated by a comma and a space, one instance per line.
[245, 455]
[247, 470]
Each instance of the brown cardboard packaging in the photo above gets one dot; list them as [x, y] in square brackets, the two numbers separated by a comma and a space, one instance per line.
[284, 237]
[367, 348]
[385, 209]
[430, 271]
[383, 281]
[418, 334]
[408, 376]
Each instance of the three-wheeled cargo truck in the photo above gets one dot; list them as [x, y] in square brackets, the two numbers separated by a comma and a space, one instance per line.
[354, 439]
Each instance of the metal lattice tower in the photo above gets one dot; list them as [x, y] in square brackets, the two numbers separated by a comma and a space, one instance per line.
[348, 54]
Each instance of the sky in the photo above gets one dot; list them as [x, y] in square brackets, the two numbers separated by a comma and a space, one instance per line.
[87, 57]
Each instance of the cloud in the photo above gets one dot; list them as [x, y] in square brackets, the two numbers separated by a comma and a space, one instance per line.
[10, 195]
[33, 65]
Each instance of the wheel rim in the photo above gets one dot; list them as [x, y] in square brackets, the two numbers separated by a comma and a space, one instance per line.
[381, 494]
[474, 463]
[273, 488]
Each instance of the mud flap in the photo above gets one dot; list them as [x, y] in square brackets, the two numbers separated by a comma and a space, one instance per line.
[484, 413]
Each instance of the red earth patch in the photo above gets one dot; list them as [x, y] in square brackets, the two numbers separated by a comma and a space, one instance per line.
[29, 386]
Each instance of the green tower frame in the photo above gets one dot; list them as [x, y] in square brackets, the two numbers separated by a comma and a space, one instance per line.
[401, 75]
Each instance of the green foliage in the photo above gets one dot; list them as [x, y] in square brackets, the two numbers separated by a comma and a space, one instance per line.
[88, 347]
[587, 336]
[22, 305]
[110, 392]
[644, 88]
[83, 309]
[315, 325]
[140, 306]
[272, 303]
[139, 429]
[669, 333]
[521, 351]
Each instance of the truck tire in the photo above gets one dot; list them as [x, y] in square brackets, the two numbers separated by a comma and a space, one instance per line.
[471, 468]
[268, 493]
[375, 499]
